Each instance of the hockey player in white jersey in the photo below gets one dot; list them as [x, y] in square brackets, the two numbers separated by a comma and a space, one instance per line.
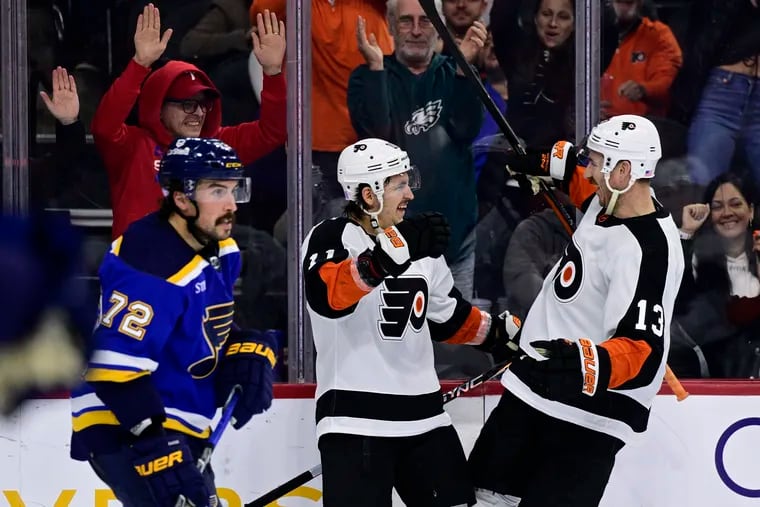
[378, 291]
[595, 340]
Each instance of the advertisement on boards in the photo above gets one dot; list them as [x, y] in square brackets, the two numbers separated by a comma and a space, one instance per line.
[699, 452]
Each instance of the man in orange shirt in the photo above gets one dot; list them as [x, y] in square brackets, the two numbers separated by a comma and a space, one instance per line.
[335, 53]
[638, 79]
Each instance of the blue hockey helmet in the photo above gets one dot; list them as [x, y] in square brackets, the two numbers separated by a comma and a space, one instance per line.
[191, 159]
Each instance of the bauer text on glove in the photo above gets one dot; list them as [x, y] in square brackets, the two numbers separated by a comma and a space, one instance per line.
[248, 360]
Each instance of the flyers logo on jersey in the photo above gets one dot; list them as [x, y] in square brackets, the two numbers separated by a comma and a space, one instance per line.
[568, 279]
[405, 303]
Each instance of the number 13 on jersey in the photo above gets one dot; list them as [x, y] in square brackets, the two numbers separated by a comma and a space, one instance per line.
[646, 315]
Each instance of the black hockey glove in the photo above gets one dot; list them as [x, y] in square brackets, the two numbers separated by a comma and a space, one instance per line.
[569, 370]
[248, 361]
[422, 235]
[503, 339]
[167, 467]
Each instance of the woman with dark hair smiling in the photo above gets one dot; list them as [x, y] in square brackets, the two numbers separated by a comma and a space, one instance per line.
[718, 311]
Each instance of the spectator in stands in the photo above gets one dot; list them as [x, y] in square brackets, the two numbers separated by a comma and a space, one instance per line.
[63, 104]
[717, 92]
[496, 85]
[220, 44]
[334, 54]
[177, 100]
[534, 45]
[534, 248]
[717, 324]
[647, 59]
[461, 14]
[422, 102]
[75, 178]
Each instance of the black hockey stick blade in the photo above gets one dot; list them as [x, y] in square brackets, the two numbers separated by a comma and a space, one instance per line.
[469, 72]
[315, 471]
[286, 487]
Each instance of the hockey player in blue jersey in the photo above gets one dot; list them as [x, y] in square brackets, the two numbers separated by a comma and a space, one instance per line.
[165, 354]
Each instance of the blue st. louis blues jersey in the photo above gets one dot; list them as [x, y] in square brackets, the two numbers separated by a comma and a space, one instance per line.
[165, 312]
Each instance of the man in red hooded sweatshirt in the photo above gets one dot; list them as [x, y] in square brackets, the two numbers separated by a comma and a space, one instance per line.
[178, 100]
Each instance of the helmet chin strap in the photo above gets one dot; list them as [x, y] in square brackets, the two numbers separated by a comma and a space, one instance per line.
[374, 214]
[615, 193]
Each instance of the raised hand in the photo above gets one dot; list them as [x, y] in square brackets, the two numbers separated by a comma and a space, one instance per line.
[632, 90]
[149, 44]
[269, 42]
[474, 40]
[368, 46]
[693, 216]
[64, 104]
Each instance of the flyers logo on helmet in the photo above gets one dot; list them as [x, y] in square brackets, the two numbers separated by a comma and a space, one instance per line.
[568, 279]
[405, 302]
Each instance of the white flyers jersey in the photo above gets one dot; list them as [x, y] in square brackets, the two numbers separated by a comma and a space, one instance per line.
[616, 285]
[375, 372]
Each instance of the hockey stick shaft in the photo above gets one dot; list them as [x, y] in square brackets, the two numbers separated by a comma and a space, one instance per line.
[316, 471]
[451, 45]
[213, 439]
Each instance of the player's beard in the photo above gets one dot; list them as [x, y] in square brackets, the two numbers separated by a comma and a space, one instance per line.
[210, 233]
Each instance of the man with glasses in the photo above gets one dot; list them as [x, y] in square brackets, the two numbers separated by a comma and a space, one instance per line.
[164, 354]
[421, 102]
[178, 100]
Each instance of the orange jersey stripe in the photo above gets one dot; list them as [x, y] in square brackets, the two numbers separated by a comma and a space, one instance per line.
[626, 358]
[469, 329]
[344, 286]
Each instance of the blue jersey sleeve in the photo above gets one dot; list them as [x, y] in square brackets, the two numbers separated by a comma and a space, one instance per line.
[138, 312]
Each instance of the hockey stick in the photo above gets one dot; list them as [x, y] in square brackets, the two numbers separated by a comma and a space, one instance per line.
[316, 471]
[213, 439]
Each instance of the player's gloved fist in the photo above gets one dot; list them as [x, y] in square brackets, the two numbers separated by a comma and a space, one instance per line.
[423, 235]
[503, 339]
[562, 161]
[166, 465]
[248, 361]
[569, 370]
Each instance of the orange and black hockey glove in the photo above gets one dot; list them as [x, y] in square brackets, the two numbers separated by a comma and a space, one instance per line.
[570, 370]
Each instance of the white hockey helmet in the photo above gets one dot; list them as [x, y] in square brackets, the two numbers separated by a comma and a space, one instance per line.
[370, 162]
[627, 137]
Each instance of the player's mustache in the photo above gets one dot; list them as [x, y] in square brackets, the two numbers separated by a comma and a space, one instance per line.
[227, 216]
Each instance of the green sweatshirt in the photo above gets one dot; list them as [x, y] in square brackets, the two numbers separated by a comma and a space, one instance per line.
[434, 116]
